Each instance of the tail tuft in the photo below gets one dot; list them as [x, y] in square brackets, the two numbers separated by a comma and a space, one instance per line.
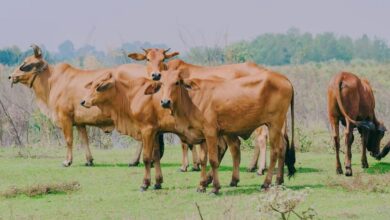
[290, 160]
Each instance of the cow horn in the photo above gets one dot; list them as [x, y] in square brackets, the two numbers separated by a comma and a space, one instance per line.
[167, 50]
[145, 50]
[37, 50]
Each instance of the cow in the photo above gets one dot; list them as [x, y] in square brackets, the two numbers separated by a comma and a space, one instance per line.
[234, 106]
[58, 90]
[156, 62]
[351, 101]
[123, 98]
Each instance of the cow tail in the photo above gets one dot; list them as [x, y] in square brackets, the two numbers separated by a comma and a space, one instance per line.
[161, 143]
[290, 150]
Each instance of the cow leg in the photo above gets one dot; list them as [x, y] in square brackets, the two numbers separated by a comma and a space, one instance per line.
[213, 152]
[203, 172]
[234, 146]
[364, 137]
[157, 164]
[135, 161]
[262, 145]
[348, 155]
[184, 161]
[253, 164]
[275, 137]
[148, 139]
[281, 157]
[336, 141]
[67, 129]
[195, 159]
[84, 140]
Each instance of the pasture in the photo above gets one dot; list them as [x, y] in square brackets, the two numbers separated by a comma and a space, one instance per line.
[110, 189]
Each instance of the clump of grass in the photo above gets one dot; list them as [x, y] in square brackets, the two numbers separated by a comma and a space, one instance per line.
[42, 189]
[282, 202]
[361, 182]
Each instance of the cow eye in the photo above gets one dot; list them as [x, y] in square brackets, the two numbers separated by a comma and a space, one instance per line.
[147, 59]
[177, 83]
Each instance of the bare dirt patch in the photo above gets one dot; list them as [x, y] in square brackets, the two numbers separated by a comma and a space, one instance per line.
[41, 189]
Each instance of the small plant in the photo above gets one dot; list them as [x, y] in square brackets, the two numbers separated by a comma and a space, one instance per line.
[305, 142]
[42, 189]
[280, 201]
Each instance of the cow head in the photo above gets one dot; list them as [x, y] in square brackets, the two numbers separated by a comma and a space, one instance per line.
[374, 139]
[173, 84]
[99, 91]
[29, 69]
[154, 60]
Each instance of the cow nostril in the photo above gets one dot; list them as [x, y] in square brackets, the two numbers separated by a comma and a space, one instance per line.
[165, 103]
[9, 77]
[156, 76]
[82, 102]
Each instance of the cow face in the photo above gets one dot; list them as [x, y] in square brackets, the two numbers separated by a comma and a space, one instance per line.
[173, 84]
[154, 60]
[99, 91]
[32, 65]
[374, 139]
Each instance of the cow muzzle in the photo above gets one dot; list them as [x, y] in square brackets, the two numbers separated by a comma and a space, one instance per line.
[156, 76]
[166, 103]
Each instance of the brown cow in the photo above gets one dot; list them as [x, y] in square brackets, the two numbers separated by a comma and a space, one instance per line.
[58, 90]
[122, 97]
[351, 101]
[155, 63]
[207, 108]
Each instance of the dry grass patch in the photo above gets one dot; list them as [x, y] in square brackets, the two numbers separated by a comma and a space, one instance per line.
[42, 189]
[363, 182]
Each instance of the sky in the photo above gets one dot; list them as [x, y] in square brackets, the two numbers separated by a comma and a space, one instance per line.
[182, 24]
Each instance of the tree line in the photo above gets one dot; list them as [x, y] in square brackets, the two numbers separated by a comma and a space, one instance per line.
[292, 47]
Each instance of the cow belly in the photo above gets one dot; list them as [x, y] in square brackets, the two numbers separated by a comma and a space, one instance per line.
[91, 116]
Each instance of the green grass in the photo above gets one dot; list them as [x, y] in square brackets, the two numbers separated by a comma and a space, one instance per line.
[110, 190]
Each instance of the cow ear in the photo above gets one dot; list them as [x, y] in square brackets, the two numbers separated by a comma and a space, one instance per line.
[170, 55]
[137, 56]
[104, 86]
[153, 88]
[191, 84]
[88, 85]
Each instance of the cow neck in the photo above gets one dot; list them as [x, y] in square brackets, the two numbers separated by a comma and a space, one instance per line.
[41, 85]
[186, 110]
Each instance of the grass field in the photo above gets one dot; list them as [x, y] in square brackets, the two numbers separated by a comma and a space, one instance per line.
[110, 190]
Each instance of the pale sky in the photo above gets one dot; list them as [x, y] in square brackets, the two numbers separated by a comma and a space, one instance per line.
[181, 23]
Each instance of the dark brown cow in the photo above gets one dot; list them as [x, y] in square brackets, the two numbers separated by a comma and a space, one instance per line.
[209, 107]
[351, 101]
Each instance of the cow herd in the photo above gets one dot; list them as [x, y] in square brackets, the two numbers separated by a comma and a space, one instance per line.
[207, 107]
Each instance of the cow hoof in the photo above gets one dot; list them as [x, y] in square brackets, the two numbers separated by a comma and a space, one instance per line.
[133, 164]
[89, 163]
[201, 190]
[157, 186]
[214, 192]
[66, 163]
[279, 182]
[364, 165]
[348, 172]
[265, 186]
[143, 188]
[195, 169]
[339, 171]
[233, 183]
[260, 172]
[182, 170]
[251, 169]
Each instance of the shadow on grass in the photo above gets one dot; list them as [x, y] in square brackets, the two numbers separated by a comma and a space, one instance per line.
[379, 168]
[307, 170]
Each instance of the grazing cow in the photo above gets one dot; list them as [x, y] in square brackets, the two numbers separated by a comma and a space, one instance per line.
[58, 90]
[208, 107]
[351, 101]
